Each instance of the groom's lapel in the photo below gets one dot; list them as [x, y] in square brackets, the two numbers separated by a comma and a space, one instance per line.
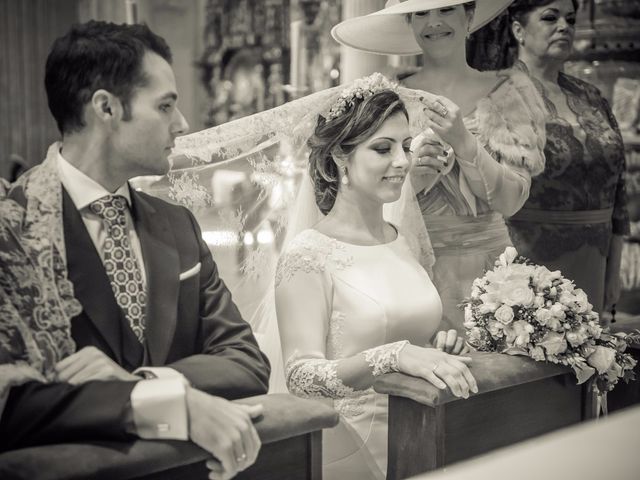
[162, 267]
[90, 282]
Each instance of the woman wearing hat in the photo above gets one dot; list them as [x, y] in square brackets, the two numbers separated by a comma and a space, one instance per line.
[478, 142]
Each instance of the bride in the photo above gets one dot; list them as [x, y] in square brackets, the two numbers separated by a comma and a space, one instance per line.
[352, 300]
[351, 296]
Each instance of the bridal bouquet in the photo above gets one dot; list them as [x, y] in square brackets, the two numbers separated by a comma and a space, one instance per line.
[521, 308]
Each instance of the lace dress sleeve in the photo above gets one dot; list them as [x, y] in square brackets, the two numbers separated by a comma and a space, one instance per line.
[303, 292]
[510, 127]
[620, 217]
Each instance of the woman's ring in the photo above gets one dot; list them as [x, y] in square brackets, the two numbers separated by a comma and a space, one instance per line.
[435, 367]
[440, 109]
[241, 458]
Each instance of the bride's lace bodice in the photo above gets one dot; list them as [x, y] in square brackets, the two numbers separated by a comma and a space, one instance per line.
[346, 311]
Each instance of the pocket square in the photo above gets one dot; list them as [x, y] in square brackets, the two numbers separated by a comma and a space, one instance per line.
[191, 272]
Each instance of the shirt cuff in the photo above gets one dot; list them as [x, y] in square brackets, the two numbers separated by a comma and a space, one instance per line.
[160, 408]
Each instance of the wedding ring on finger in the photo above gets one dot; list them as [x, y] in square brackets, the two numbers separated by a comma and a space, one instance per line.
[441, 109]
[241, 458]
[435, 367]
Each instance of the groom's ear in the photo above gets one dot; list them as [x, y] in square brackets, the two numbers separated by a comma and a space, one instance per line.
[105, 106]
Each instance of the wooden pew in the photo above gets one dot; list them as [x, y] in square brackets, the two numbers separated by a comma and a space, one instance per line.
[627, 394]
[290, 430]
[518, 399]
[606, 449]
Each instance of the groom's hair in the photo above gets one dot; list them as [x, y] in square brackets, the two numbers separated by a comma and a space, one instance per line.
[338, 137]
[97, 55]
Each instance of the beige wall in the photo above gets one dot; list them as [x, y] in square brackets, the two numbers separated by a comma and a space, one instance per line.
[181, 23]
[27, 30]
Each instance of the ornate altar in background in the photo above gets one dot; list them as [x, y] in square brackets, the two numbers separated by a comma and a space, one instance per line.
[246, 57]
[261, 53]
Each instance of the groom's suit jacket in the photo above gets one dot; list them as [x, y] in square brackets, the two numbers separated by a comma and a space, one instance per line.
[192, 326]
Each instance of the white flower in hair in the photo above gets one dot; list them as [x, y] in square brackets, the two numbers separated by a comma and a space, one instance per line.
[360, 89]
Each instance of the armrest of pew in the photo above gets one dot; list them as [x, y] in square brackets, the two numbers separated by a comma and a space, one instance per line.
[290, 430]
[492, 372]
[518, 398]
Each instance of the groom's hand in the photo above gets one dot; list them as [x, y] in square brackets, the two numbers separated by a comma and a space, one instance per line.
[225, 430]
[90, 364]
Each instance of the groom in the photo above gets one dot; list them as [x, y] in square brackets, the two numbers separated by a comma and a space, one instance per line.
[154, 306]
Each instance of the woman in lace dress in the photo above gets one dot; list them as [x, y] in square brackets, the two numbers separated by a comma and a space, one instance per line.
[492, 121]
[352, 300]
[576, 214]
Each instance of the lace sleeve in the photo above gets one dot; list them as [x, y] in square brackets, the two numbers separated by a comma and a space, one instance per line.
[620, 218]
[304, 308]
[319, 377]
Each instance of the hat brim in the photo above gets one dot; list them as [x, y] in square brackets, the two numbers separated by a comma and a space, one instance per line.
[386, 32]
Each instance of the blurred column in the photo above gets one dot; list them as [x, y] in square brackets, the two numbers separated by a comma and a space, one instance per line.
[354, 63]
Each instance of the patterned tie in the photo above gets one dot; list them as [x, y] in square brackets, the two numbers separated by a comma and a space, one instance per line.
[120, 263]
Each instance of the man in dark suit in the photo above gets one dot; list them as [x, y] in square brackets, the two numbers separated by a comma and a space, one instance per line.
[160, 343]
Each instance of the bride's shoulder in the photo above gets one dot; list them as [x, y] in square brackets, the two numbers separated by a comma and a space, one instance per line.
[312, 252]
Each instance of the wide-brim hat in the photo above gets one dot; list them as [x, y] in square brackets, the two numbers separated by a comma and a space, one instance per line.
[387, 31]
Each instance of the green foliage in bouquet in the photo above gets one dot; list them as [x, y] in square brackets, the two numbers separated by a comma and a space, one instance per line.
[521, 308]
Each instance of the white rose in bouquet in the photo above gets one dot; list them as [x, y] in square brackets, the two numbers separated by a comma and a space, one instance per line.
[537, 353]
[582, 301]
[542, 278]
[602, 358]
[518, 292]
[504, 314]
[495, 328]
[578, 336]
[507, 257]
[518, 333]
[554, 343]
[543, 316]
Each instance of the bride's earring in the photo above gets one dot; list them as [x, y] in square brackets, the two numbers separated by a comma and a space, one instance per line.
[345, 178]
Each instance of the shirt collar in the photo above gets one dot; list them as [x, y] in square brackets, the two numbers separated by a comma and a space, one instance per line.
[82, 189]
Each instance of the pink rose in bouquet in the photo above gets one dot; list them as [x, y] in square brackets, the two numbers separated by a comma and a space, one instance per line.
[521, 308]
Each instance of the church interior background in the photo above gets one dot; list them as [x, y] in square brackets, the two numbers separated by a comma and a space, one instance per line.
[236, 57]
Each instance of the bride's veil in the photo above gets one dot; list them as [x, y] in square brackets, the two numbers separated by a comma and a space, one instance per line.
[247, 184]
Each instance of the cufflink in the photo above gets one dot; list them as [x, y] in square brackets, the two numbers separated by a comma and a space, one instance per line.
[146, 374]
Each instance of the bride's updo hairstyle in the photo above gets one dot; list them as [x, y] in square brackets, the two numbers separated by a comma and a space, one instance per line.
[339, 136]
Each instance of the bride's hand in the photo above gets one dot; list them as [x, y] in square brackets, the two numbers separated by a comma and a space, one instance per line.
[438, 368]
[446, 119]
[450, 342]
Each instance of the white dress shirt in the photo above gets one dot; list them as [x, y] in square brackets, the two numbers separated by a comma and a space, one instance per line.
[159, 402]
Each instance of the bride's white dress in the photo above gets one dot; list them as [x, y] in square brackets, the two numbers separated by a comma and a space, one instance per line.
[336, 300]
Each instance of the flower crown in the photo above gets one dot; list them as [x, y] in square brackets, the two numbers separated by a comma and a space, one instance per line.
[360, 89]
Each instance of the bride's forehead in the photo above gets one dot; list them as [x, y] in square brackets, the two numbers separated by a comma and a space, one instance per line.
[395, 127]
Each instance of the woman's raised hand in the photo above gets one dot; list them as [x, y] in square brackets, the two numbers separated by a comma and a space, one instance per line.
[446, 119]
[438, 368]
[430, 155]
